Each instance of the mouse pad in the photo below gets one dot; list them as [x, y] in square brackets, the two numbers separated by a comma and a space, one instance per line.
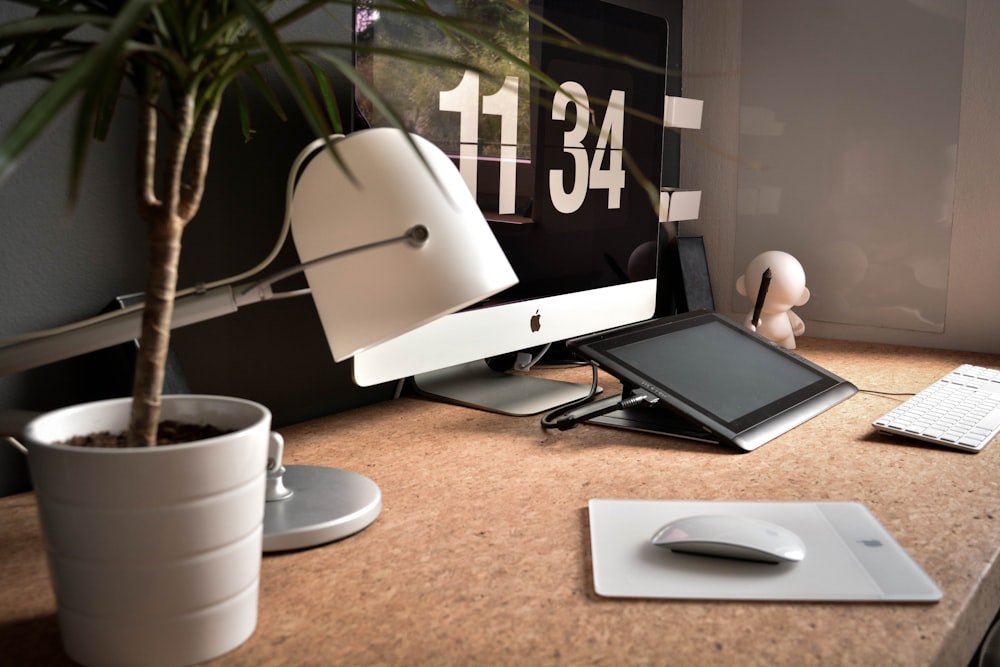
[850, 556]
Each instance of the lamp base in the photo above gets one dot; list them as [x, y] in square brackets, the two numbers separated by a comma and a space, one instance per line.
[326, 504]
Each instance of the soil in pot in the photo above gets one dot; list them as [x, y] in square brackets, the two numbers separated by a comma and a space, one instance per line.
[169, 432]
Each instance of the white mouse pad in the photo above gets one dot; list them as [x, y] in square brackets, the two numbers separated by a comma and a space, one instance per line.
[850, 556]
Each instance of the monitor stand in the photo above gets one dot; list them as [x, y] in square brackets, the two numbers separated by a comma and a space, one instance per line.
[476, 385]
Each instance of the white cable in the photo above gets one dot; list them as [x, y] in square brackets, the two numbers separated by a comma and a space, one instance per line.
[263, 264]
[288, 294]
[17, 445]
[415, 235]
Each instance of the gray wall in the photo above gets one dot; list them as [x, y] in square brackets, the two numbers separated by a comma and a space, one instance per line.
[712, 67]
[58, 266]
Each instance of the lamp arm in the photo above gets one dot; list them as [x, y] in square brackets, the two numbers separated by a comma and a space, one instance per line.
[32, 352]
[416, 236]
[35, 352]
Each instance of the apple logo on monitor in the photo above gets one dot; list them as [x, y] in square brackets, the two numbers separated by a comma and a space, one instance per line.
[552, 199]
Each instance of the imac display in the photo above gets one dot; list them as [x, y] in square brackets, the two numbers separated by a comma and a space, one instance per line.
[565, 180]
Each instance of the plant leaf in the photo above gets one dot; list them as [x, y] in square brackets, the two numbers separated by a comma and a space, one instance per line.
[277, 51]
[328, 96]
[56, 98]
[268, 93]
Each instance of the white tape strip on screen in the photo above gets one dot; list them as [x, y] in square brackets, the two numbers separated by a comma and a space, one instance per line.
[682, 112]
[679, 204]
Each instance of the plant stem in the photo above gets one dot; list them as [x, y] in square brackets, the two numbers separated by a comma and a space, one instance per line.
[184, 178]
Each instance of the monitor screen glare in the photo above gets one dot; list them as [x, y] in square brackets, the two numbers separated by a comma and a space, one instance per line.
[564, 177]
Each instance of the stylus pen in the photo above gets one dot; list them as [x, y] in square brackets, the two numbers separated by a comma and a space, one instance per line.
[765, 282]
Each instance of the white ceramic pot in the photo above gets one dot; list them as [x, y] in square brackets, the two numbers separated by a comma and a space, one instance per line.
[154, 553]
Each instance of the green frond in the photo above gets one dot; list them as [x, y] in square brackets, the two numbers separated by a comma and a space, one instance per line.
[202, 47]
[265, 90]
[328, 96]
[277, 51]
[67, 87]
[243, 108]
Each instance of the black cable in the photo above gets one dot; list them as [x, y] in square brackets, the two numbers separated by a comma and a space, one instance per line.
[568, 416]
[547, 419]
[876, 392]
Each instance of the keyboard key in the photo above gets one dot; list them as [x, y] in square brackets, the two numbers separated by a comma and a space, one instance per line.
[961, 409]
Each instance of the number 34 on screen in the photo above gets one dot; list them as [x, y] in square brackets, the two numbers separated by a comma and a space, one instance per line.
[602, 171]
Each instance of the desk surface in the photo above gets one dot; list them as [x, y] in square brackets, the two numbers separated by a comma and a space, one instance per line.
[481, 554]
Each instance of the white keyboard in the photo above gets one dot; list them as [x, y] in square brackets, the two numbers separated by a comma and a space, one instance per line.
[960, 410]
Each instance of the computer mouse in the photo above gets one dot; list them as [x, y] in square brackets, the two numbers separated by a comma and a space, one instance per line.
[728, 536]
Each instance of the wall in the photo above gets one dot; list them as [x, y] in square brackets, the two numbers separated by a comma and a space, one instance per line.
[848, 136]
[712, 62]
[58, 266]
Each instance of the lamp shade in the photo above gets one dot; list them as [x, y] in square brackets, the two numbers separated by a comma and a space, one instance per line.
[380, 189]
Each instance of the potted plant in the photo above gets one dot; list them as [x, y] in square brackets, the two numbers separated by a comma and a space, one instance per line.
[184, 589]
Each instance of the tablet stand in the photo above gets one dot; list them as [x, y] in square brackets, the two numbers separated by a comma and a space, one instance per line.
[657, 419]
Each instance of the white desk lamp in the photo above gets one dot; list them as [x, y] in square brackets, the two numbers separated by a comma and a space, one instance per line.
[449, 260]
[390, 238]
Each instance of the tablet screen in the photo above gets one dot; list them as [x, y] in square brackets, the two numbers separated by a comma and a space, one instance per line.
[712, 366]
[717, 373]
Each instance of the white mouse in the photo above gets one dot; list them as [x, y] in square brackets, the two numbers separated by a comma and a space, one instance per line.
[728, 536]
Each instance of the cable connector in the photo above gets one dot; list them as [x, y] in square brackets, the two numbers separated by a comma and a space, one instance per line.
[597, 408]
[638, 397]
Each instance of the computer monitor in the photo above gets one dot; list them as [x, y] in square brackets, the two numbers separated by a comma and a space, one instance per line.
[575, 221]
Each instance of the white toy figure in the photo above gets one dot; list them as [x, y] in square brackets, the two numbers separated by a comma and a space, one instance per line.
[784, 287]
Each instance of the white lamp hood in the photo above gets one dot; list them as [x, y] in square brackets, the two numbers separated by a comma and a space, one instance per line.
[380, 189]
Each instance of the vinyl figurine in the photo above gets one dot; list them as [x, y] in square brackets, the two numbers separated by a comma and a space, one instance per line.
[775, 282]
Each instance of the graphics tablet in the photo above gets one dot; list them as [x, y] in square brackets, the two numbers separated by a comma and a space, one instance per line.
[736, 386]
